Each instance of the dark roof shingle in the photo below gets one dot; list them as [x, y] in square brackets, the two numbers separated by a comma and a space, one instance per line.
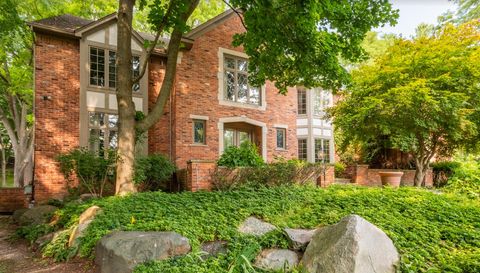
[65, 22]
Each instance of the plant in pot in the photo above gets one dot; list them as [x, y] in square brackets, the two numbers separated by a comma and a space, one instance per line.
[391, 178]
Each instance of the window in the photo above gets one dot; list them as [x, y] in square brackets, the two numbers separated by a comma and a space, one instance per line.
[102, 129]
[302, 149]
[233, 137]
[281, 138]
[236, 86]
[98, 70]
[302, 102]
[97, 66]
[322, 150]
[321, 101]
[199, 131]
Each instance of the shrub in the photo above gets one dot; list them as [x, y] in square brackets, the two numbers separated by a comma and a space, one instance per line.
[465, 179]
[339, 169]
[94, 172]
[442, 171]
[244, 156]
[151, 172]
[268, 175]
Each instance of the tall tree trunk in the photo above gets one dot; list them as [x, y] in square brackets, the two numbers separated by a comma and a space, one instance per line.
[4, 164]
[126, 107]
[128, 126]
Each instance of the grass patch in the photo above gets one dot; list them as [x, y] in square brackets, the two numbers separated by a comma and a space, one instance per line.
[433, 233]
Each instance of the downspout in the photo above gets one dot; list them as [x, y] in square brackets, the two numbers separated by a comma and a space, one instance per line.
[32, 198]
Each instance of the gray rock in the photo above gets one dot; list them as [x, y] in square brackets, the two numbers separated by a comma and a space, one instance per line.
[213, 248]
[351, 246]
[121, 251]
[254, 226]
[299, 238]
[37, 215]
[276, 259]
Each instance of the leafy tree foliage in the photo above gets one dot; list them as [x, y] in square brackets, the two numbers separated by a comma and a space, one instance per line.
[422, 96]
[298, 43]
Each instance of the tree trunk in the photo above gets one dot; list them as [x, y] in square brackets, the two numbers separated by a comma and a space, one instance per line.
[126, 107]
[4, 165]
[419, 175]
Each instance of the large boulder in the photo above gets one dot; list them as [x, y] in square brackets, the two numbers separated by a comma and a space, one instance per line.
[17, 214]
[37, 215]
[276, 259]
[299, 238]
[256, 227]
[351, 246]
[121, 251]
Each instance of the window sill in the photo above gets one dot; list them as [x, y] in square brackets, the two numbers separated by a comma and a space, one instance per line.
[281, 149]
[198, 145]
[242, 105]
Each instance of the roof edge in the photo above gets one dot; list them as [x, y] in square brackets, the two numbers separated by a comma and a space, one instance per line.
[202, 28]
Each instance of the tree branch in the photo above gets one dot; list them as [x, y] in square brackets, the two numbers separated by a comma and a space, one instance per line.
[160, 28]
[239, 14]
[170, 72]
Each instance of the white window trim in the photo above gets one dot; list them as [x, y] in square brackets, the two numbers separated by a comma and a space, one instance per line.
[221, 95]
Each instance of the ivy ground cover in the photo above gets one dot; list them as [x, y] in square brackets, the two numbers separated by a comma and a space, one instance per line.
[433, 232]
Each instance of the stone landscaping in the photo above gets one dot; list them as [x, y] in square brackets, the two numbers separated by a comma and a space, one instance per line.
[351, 246]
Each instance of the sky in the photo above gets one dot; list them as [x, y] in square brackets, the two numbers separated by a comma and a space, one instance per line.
[414, 12]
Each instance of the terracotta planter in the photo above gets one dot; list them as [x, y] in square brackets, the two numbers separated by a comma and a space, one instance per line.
[391, 178]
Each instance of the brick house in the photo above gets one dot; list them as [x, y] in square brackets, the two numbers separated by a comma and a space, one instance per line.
[211, 107]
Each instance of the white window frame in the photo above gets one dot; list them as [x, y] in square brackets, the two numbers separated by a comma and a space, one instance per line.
[221, 85]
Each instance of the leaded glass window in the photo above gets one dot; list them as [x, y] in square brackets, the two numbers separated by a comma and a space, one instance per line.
[199, 132]
[98, 69]
[236, 83]
[281, 138]
[321, 101]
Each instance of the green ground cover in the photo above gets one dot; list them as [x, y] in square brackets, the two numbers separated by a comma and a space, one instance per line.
[433, 232]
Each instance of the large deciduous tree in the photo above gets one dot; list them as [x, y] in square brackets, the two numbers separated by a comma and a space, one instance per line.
[288, 42]
[422, 96]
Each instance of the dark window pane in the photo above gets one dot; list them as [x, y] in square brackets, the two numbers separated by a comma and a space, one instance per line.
[112, 69]
[136, 72]
[302, 102]
[199, 131]
[97, 66]
[302, 149]
[281, 138]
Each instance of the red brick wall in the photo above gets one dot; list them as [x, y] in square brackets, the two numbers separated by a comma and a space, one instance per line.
[197, 93]
[199, 175]
[328, 179]
[12, 199]
[159, 136]
[57, 120]
[364, 176]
